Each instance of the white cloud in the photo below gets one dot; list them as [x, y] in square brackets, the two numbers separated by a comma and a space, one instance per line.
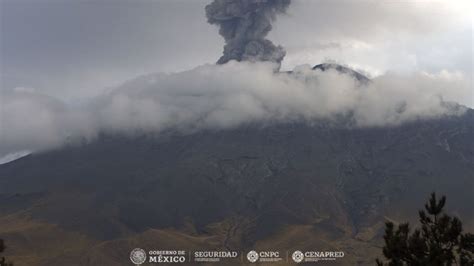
[225, 96]
[379, 36]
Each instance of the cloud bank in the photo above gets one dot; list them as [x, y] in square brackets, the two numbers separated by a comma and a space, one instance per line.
[223, 97]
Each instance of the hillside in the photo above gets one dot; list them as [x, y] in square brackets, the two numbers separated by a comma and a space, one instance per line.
[280, 185]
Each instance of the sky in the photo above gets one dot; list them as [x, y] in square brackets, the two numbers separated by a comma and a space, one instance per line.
[71, 70]
[76, 49]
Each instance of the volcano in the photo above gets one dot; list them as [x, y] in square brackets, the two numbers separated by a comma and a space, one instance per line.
[280, 186]
[343, 70]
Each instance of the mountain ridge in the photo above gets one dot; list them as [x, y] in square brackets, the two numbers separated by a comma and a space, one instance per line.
[325, 184]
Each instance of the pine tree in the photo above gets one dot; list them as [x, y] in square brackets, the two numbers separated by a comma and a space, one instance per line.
[440, 240]
[3, 261]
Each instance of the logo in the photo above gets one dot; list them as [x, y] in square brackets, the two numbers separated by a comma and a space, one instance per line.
[138, 256]
[315, 256]
[252, 256]
[297, 256]
[167, 256]
[215, 256]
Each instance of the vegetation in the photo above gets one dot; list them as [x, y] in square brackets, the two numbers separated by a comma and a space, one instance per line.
[3, 261]
[440, 241]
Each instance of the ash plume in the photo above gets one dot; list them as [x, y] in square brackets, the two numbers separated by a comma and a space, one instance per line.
[244, 24]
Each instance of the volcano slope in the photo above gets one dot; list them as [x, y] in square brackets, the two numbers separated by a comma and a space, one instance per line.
[281, 186]
[285, 186]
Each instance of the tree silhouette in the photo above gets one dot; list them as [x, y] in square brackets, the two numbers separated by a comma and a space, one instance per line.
[3, 261]
[440, 240]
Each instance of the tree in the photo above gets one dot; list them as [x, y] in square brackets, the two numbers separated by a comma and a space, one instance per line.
[3, 261]
[440, 241]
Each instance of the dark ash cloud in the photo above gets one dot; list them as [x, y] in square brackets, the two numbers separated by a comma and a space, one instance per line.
[244, 24]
